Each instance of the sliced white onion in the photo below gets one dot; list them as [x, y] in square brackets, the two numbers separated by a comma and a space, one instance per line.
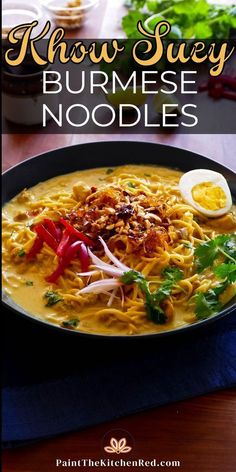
[88, 274]
[122, 296]
[95, 259]
[111, 299]
[100, 286]
[109, 269]
[112, 258]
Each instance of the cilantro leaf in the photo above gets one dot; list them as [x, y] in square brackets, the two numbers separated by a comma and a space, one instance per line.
[155, 314]
[153, 300]
[173, 273]
[52, 298]
[228, 271]
[129, 23]
[206, 304]
[206, 253]
[163, 291]
[21, 253]
[132, 276]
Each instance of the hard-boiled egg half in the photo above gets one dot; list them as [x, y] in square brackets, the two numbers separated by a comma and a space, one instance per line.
[207, 191]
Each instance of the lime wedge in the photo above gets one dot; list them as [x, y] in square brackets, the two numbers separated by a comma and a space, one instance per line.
[126, 97]
[162, 98]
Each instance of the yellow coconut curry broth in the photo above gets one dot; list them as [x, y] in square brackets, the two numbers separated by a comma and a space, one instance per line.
[148, 227]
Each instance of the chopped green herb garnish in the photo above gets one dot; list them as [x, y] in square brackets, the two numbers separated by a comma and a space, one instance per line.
[173, 273]
[132, 276]
[147, 175]
[154, 299]
[223, 245]
[227, 271]
[21, 253]
[29, 283]
[207, 254]
[208, 303]
[109, 171]
[52, 298]
[70, 324]
[154, 311]
[131, 185]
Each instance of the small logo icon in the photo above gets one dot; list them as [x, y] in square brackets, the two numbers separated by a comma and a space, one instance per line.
[117, 447]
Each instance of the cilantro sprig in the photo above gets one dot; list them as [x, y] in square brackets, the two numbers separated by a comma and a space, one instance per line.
[202, 20]
[223, 245]
[210, 254]
[153, 300]
[206, 304]
[227, 271]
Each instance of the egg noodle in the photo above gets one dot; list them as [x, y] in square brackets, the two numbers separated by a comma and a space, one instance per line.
[141, 215]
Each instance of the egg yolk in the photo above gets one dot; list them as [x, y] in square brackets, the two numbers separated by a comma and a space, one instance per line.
[209, 196]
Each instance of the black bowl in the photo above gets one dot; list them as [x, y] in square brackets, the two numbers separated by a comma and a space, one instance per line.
[102, 154]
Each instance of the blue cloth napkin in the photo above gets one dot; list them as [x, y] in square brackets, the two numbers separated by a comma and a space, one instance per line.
[56, 383]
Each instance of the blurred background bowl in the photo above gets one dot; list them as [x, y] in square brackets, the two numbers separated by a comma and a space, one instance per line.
[70, 14]
[17, 12]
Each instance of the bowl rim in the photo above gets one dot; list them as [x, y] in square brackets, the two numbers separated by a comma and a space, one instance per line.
[17, 309]
[80, 8]
[11, 7]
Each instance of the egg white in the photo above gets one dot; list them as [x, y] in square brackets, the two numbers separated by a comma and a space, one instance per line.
[197, 176]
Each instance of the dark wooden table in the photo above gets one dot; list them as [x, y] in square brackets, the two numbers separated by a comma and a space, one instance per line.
[201, 432]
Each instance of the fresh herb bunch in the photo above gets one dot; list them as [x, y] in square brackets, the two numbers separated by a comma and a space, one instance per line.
[153, 300]
[220, 254]
[189, 19]
[223, 245]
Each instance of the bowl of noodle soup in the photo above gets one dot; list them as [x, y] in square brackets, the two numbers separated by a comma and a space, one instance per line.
[98, 240]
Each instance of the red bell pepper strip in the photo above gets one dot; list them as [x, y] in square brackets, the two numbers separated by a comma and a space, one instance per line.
[53, 229]
[36, 248]
[57, 272]
[44, 234]
[64, 243]
[77, 233]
